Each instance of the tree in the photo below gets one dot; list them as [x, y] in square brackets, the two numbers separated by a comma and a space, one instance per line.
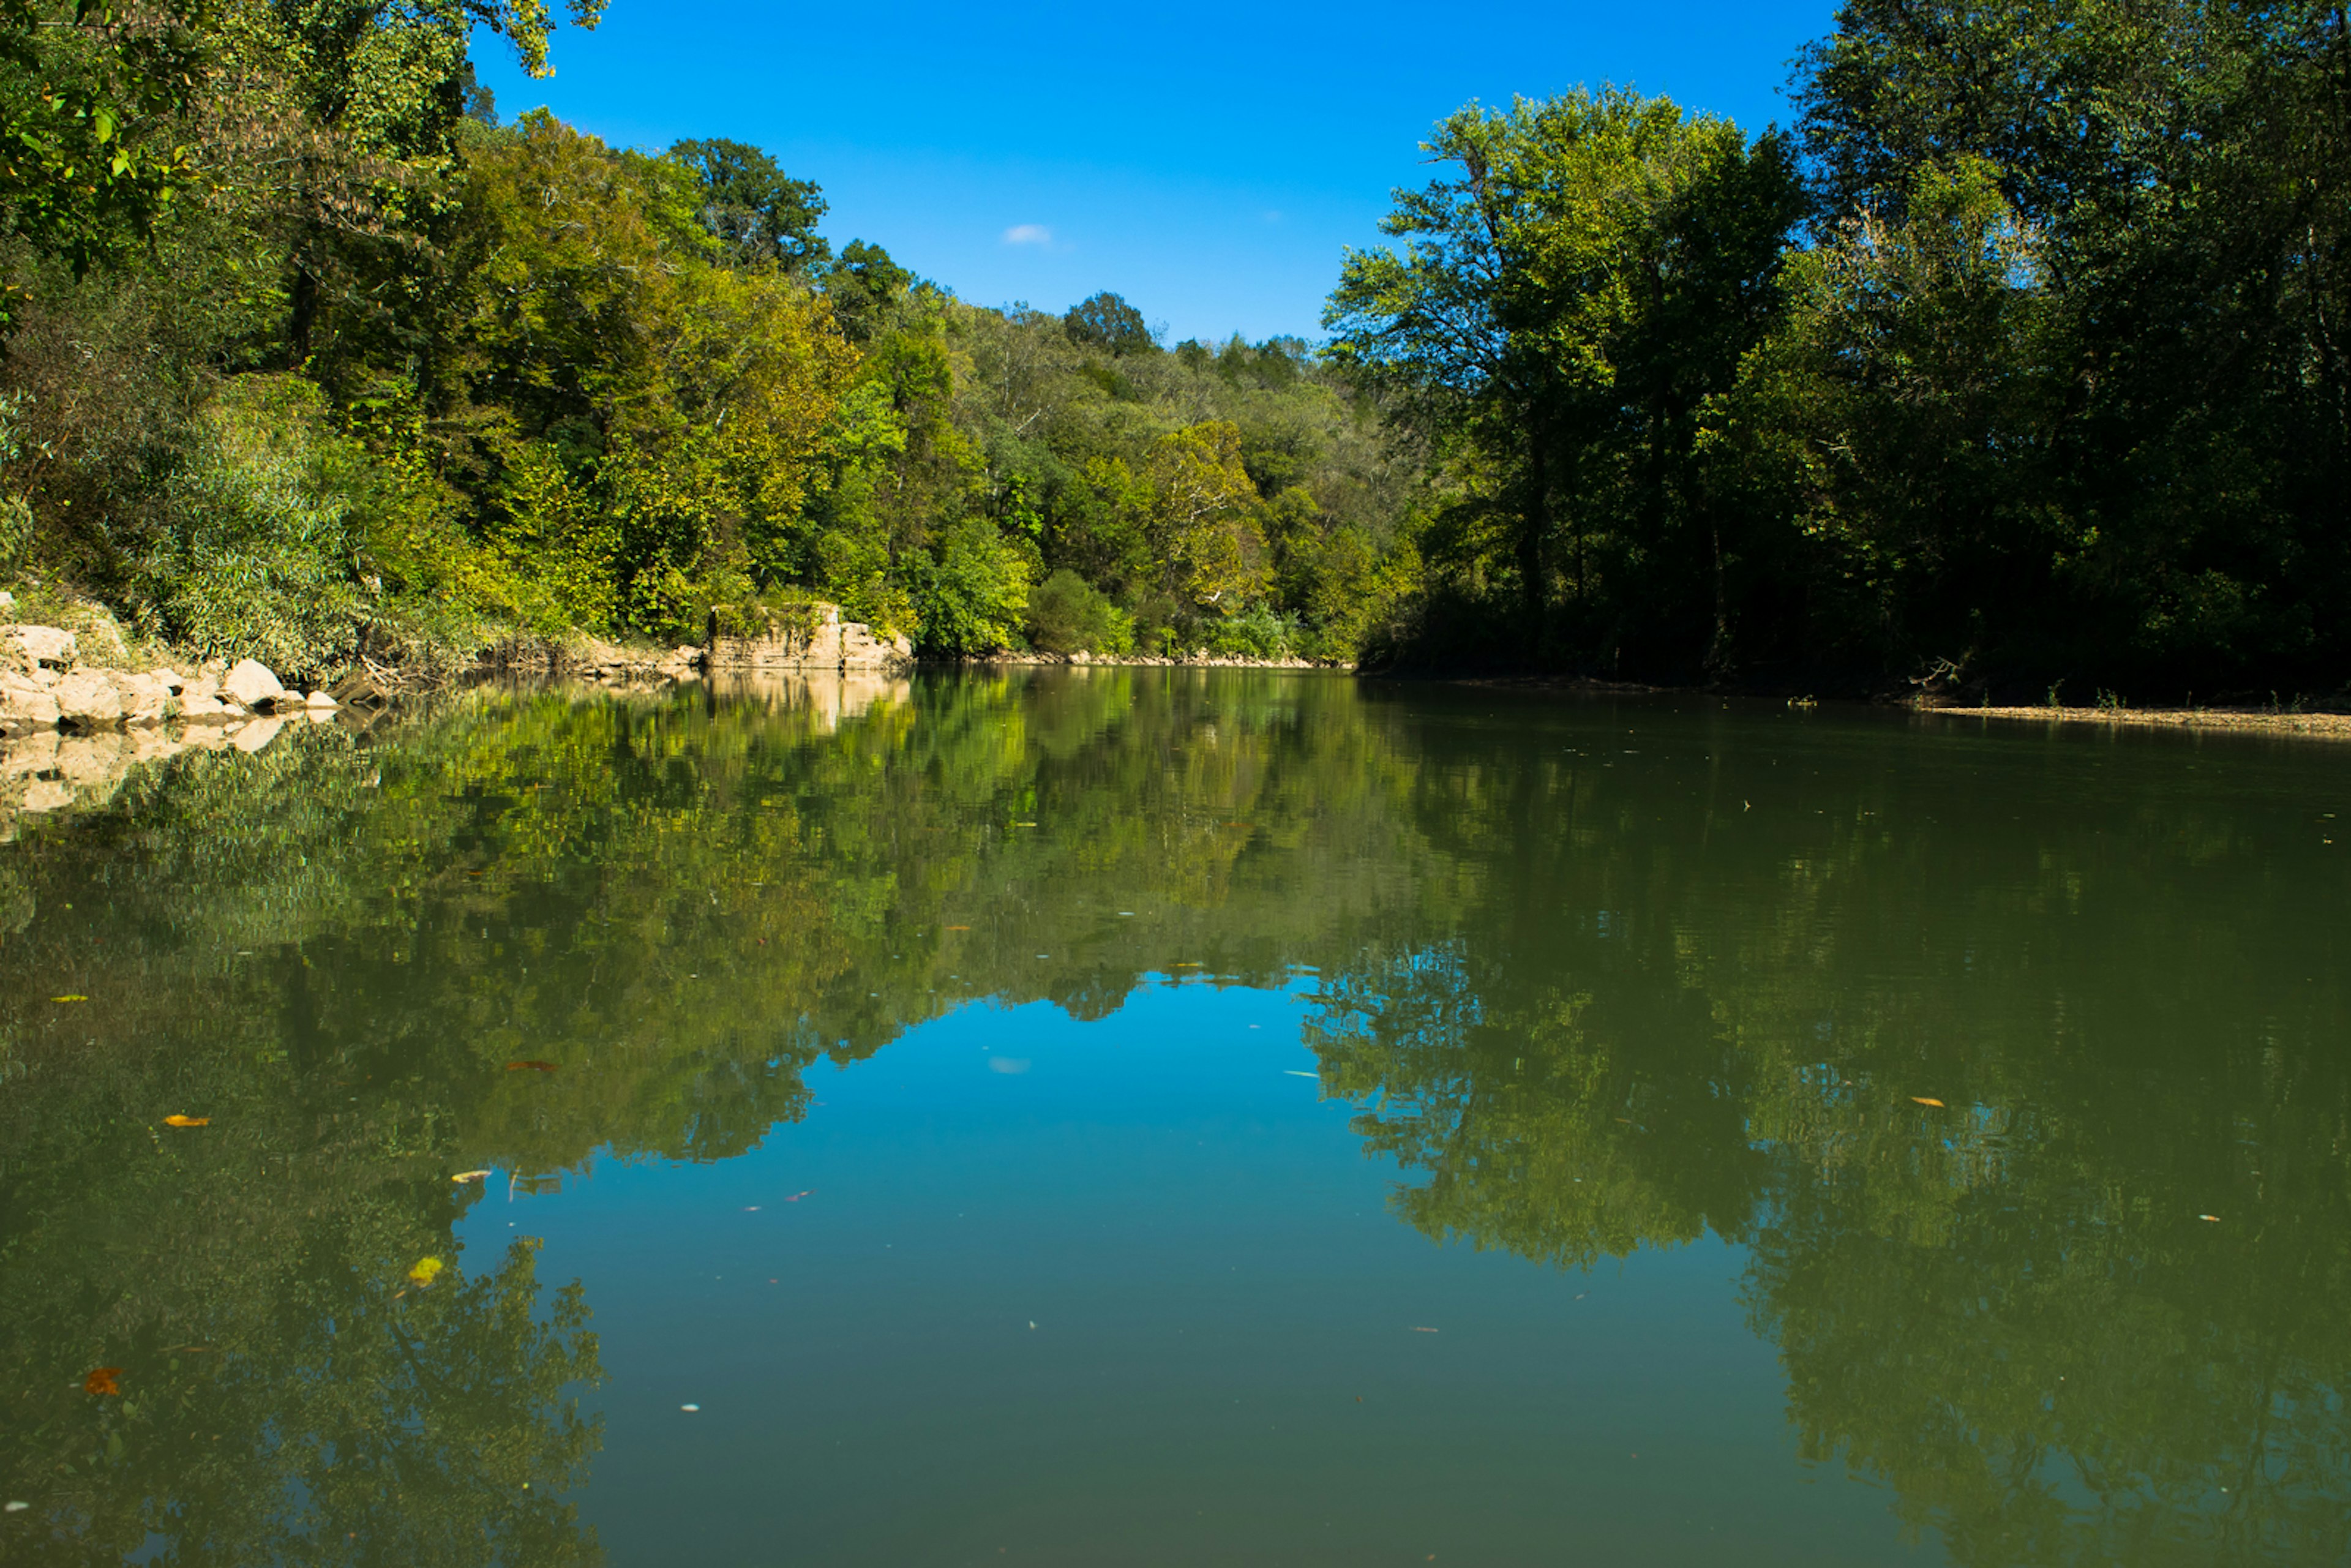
[757, 213]
[1561, 310]
[88, 96]
[1108, 322]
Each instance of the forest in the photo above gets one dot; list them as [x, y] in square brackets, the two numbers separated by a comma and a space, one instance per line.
[2013, 367]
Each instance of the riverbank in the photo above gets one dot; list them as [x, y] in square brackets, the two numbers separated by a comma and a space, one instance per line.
[2331, 725]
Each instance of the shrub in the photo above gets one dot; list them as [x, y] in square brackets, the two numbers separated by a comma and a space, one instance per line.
[1068, 613]
[971, 596]
[260, 556]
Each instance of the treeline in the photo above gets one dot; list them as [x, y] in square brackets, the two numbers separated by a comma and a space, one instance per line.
[2016, 367]
[308, 357]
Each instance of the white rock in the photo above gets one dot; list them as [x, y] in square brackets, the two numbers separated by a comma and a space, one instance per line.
[172, 680]
[36, 645]
[8, 603]
[145, 699]
[25, 707]
[251, 684]
[89, 699]
[320, 699]
[207, 707]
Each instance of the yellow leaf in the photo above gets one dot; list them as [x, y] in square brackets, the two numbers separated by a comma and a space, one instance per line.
[68, 999]
[471, 1176]
[187, 1121]
[427, 1270]
[1922, 1099]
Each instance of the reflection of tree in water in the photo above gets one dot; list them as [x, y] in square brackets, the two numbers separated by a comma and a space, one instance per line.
[2007, 1307]
[1585, 1002]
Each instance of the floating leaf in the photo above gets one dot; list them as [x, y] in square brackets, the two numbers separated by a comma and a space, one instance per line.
[427, 1270]
[187, 1121]
[959, 928]
[471, 1176]
[530, 1067]
[2213, 1218]
[1418, 1330]
[1922, 1099]
[102, 1381]
[68, 999]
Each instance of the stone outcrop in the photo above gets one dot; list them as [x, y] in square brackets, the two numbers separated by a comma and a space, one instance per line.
[828, 645]
[252, 683]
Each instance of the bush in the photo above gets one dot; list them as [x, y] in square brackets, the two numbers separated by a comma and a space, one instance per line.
[260, 558]
[1260, 632]
[1068, 613]
[971, 598]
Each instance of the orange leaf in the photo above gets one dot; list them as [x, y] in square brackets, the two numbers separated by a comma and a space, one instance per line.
[187, 1121]
[957, 927]
[1922, 1099]
[102, 1381]
[531, 1066]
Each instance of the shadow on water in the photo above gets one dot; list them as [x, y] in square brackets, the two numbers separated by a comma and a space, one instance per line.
[2015, 1063]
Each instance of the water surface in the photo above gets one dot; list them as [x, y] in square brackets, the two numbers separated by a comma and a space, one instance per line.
[1179, 1116]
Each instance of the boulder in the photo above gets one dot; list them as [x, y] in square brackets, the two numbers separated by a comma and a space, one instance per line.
[25, 708]
[87, 700]
[251, 684]
[34, 646]
[146, 700]
[320, 700]
[202, 704]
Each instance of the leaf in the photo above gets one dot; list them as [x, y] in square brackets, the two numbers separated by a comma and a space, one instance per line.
[102, 1381]
[187, 1121]
[427, 1270]
[68, 999]
[957, 928]
[530, 1067]
[471, 1176]
[1922, 1099]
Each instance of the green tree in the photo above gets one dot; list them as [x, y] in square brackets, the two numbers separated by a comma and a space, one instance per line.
[757, 213]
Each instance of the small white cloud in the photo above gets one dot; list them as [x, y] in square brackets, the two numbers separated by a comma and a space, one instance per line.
[1029, 233]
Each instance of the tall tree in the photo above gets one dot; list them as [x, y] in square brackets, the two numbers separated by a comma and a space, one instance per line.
[756, 211]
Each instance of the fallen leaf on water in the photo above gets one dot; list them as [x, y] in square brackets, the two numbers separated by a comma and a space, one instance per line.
[1295, 1072]
[798, 1196]
[957, 928]
[531, 1066]
[187, 1121]
[471, 1176]
[1418, 1330]
[1922, 1099]
[1189, 964]
[427, 1270]
[102, 1381]
[68, 999]
[2213, 1218]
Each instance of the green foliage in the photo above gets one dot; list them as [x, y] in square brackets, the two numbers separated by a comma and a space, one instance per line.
[1109, 323]
[752, 208]
[1067, 615]
[263, 556]
[971, 598]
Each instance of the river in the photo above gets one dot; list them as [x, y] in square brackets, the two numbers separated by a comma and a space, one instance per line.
[1177, 1116]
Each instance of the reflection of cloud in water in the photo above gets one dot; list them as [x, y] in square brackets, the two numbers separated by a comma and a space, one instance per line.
[1008, 1064]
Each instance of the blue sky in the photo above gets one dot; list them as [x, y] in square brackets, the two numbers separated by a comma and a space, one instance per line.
[1210, 160]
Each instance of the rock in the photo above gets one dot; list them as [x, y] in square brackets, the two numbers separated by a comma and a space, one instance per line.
[25, 706]
[145, 699]
[207, 707]
[35, 646]
[172, 680]
[87, 700]
[8, 603]
[320, 699]
[251, 684]
[257, 734]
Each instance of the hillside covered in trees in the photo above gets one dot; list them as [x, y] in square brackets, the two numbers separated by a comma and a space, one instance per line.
[2017, 364]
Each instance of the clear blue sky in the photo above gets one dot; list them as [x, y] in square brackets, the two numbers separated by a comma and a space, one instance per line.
[1210, 160]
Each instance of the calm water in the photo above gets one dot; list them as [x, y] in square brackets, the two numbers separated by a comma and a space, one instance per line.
[1179, 1117]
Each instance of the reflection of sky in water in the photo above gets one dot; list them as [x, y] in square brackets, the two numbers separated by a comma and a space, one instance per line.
[1214, 1278]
